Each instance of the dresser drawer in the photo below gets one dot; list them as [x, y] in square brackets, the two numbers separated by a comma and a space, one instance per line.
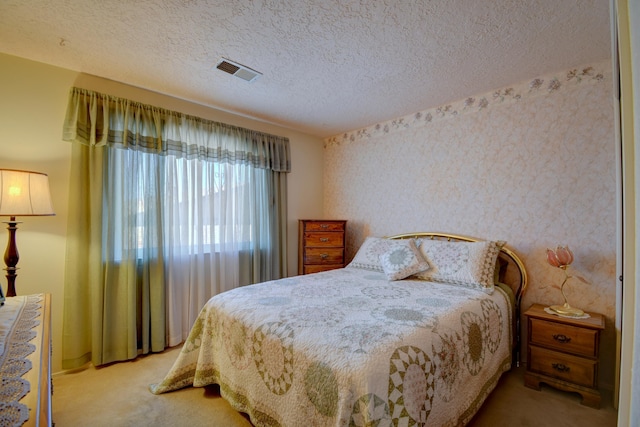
[323, 255]
[316, 268]
[324, 226]
[566, 338]
[323, 239]
[563, 366]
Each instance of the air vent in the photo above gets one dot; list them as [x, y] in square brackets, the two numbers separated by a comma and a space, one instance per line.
[238, 70]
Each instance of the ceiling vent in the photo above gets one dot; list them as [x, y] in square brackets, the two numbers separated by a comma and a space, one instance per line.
[238, 70]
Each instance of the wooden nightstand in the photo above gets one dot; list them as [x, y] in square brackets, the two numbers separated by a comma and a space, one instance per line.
[563, 353]
[321, 245]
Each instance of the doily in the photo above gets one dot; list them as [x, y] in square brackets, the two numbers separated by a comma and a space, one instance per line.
[14, 364]
[584, 316]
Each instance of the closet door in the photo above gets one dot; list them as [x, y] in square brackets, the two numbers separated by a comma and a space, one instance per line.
[626, 31]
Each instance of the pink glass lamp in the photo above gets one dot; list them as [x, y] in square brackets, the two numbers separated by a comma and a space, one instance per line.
[562, 257]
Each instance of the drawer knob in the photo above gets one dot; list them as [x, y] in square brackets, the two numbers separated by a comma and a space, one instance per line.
[324, 225]
[561, 367]
[561, 338]
[324, 239]
[324, 256]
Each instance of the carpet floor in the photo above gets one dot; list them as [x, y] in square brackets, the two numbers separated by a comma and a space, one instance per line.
[118, 395]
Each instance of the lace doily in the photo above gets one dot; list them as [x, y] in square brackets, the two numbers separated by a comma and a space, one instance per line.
[13, 360]
[584, 316]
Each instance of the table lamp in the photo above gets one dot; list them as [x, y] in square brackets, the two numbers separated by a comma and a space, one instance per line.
[22, 193]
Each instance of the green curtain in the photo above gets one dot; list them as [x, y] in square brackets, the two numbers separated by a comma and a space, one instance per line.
[120, 264]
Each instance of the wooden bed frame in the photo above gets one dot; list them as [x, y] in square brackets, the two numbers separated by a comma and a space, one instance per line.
[512, 273]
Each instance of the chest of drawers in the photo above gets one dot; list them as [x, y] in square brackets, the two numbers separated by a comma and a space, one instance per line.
[321, 245]
[564, 353]
[25, 365]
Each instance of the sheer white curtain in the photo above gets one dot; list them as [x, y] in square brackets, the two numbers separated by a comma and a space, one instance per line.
[209, 230]
[186, 208]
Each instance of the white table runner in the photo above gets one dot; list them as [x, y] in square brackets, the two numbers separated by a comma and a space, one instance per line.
[18, 317]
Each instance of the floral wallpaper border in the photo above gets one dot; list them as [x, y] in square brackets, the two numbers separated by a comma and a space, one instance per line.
[538, 86]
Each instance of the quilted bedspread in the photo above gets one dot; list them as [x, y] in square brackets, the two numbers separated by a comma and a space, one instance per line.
[348, 347]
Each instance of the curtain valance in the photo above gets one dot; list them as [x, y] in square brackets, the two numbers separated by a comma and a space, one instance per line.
[94, 118]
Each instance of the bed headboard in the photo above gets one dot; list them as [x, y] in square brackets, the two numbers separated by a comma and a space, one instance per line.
[512, 273]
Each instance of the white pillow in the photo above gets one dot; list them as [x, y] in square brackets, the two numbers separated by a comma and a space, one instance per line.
[368, 256]
[402, 259]
[469, 264]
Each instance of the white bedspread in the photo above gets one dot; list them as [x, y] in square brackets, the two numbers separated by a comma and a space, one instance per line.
[347, 347]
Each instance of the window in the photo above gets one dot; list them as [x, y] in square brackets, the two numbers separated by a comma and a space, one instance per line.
[169, 210]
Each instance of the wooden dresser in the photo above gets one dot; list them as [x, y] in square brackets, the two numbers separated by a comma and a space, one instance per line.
[321, 245]
[564, 353]
[34, 317]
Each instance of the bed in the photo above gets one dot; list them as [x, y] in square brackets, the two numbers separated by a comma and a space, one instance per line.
[416, 330]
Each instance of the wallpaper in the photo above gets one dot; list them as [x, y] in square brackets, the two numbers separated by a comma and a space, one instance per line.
[533, 163]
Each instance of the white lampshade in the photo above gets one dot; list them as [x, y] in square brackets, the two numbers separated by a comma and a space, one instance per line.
[24, 193]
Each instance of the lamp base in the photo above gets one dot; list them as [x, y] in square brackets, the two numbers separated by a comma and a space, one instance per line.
[567, 310]
[11, 256]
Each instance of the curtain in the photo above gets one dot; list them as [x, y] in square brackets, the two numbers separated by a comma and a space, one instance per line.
[166, 211]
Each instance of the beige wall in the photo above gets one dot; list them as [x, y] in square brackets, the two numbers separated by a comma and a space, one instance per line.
[33, 99]
[533, 164]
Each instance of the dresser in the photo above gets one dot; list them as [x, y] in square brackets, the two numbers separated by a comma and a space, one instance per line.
[26, 357]
[564, 353]
[321, 245]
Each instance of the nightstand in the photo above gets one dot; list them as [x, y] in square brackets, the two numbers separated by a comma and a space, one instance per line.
[564, 353]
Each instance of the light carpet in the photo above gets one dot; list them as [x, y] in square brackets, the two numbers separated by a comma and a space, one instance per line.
[118, 395]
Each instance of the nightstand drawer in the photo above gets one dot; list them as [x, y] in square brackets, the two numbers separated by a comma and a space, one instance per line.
[566, 338]
[334, 239]
[566, 367]
[323, 256]
[324, 226]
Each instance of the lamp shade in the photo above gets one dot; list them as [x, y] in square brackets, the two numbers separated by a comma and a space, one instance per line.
[24, 193]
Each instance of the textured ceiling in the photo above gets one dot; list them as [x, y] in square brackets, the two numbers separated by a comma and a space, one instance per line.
[329, 66]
